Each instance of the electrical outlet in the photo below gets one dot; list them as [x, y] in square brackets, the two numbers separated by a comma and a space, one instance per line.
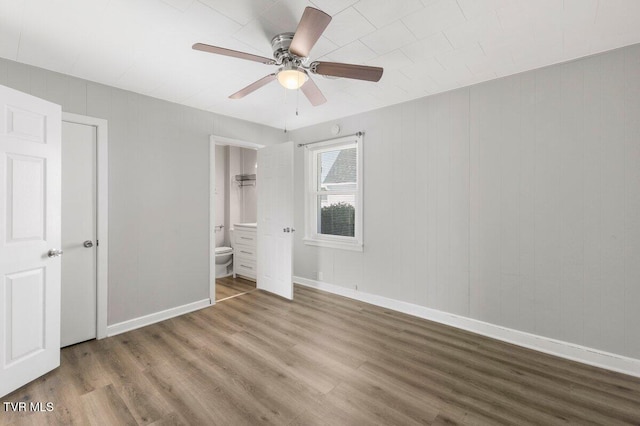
[320, 276]
[356, 286]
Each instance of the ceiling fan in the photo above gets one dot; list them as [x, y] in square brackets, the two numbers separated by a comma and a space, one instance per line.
[291, 55]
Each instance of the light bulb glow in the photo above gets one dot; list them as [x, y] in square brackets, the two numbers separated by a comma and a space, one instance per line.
[292, 79]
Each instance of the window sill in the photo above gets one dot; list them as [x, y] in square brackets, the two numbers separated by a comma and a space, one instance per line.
[333, 244]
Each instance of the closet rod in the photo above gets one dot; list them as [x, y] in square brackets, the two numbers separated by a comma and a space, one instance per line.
[359, 134]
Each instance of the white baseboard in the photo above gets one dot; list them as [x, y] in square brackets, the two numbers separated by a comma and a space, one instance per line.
[590, 356]
[145, 320]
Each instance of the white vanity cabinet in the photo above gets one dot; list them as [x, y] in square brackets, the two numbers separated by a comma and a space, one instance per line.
[244, 251]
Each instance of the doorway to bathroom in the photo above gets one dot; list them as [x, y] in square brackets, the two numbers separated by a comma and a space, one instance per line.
[234, 183]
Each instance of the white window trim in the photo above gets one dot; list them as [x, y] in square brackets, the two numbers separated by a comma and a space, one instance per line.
[311, 237]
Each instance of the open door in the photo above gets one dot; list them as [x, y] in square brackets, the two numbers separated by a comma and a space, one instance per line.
[275, 219]
[30, 187]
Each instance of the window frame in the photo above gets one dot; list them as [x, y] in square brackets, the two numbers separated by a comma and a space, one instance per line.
[312, 192]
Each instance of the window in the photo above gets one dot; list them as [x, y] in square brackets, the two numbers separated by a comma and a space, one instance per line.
[333, 182]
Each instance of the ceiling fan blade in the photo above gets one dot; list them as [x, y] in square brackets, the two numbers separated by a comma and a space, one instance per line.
[233, 53]
[313, 93]
[311, 26]
[336, 69]
[253, 87]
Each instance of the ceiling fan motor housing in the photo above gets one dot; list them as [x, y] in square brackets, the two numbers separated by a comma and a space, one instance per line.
[280, 44]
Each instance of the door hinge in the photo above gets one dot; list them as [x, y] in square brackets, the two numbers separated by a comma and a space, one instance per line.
[97, 243]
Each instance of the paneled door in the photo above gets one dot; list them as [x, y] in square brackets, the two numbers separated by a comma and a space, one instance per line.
[30, 183]
[275, 219]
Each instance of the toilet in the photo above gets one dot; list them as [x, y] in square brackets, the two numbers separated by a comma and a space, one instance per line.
[224, 262]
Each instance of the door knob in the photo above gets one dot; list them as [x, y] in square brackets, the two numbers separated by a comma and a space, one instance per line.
[54, 253]
[88, 244]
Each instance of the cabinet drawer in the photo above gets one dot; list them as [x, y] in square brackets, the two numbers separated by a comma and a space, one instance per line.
[245, 251]
[245, 267]
[247, 238]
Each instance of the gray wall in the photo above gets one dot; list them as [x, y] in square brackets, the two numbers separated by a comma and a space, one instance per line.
[515, 202]
[158, 186]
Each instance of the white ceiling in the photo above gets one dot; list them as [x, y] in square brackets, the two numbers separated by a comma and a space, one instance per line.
[425, 46]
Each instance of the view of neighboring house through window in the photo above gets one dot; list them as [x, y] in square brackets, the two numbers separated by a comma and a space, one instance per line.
[338, 185]
[334, 193]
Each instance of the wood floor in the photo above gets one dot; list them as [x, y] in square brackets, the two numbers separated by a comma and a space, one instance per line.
[228, 287]
[321, 359]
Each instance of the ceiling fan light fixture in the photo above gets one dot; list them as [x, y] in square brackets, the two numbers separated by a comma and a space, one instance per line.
[292, 78]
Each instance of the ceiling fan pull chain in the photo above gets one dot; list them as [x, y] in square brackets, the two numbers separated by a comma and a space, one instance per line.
[285, 117]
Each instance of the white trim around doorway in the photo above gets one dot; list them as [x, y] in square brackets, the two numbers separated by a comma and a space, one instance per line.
[102, 208]
[213, 141]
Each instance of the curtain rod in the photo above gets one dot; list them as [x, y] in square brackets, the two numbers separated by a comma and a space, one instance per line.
[359, 134]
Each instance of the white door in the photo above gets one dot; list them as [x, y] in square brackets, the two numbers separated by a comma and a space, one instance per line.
[29, 235]
[78, 315]
[275, 219]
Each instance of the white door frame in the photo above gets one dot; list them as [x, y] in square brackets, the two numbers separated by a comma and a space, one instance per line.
[102, 210]
[213, 141]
